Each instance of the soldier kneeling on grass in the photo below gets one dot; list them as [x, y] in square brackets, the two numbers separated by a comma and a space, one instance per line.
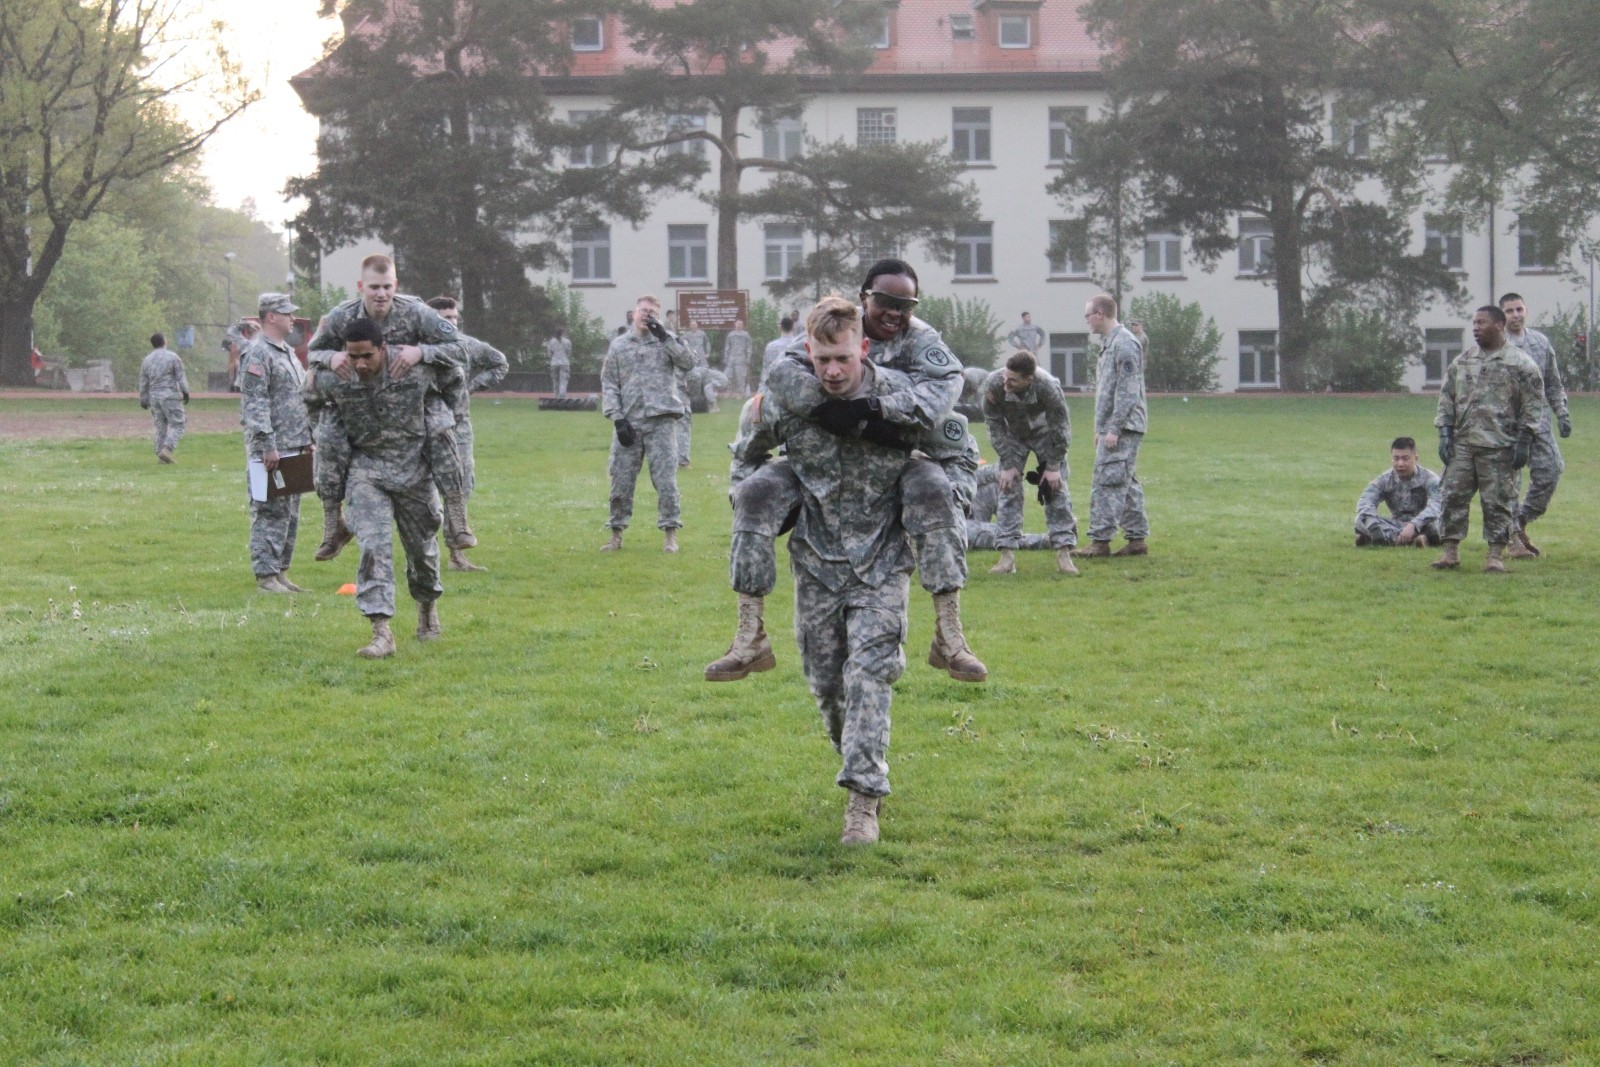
[1411, 493]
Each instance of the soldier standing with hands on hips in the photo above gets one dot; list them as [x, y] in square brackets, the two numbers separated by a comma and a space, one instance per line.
[1115, 496]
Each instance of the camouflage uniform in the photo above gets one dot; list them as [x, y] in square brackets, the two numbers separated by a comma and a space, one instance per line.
[274, 418]
[1115, 496]
[1035, 420]
[929, 508]
[983, 533]
[390, 485]
[409, 322]
[850, 562]
[639, 383]
[1488, 401]
[1545, 465]
[1028, 336]
[736, 349]
[162, 388]
[559, 349]
[1415, 501]
[485, 365]
[775, 348]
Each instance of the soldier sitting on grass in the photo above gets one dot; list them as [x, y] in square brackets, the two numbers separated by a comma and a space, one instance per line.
[1411, 493]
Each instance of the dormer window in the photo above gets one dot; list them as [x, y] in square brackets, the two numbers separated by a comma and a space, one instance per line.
[588, 34]
[1015, 31]
[961, 28]
[878, 33]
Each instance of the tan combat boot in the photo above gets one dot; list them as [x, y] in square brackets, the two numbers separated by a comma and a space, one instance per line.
[949, 651]
[615, 544]
[428, 628]
[1134, 547]
[165, 455]
[335, 534]
[456, 532]
[283, 580]
[1495, 564]
[669, 543]
[1007, 564]
[860, 819]
[1517, 550]
[1064, 562]
[750, 651]
[1450, 558]
[1096, 550]
[270, 584]
[382, 646]
[460, 562]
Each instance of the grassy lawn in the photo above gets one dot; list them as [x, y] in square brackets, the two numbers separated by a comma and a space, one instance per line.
[1256, 799]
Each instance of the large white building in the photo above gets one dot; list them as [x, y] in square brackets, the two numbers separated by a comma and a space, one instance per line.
[999, 81]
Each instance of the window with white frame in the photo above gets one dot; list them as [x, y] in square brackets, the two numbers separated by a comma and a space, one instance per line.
[1441, 238]
[1258, 359]
[785, 247]
[588, 34]
[1352, 131]
[591, 253]
[875, 125]
[1538, 244]
[878, 33]
[683, 124]
[961, 28]
[975, 250]
[1015, 31]
[1069, 360]
[592, 154]
[970, 134]
[1063, 121]
[1069, 248]
[686, 254]
[782, 139]
[874, 246]
[1439, 347]
[1163, 253]
[1255, 245]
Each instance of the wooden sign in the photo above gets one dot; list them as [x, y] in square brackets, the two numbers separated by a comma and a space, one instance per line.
[713, 309]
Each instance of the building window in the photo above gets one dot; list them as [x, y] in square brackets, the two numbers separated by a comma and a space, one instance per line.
[1255, 245]
[1258, 359]
[1352, 132]
[975, 250]
[785, 248]
[591, 253]
[1441, 238]
[875, 125]
[1163, 253]
[878, 33]
[1063, 120]
[1439, 348]
[1016, 31]
[1538, 244]
[969, 134]
[686, 254]
[683, 124]
[1069, 360]
[592, 154]
[782, 139]
[1069, 248]
[961, 28]
[874, 245]
[588, 34]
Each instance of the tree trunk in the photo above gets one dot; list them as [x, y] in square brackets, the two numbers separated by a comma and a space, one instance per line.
[728, 202]
[1288, 261]
[16, 341]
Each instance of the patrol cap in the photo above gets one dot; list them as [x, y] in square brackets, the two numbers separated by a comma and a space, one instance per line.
[278, 302]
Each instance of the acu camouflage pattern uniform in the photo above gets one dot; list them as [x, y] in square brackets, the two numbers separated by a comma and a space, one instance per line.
[1028, 336]
[736, 350]
[639, 383]
[851, 566]
[410, 321]
[390, 484]
[1035, 420]
[162, 387]
[1545, 464]
[559, 350]
[692, 383]
[983, 533]
[1416, 500]
[273, 414]
[929, 508]
[1488, 401]
[1115, 496]
[485, 365]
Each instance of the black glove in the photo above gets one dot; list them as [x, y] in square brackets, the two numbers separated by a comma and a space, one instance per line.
[625, 435]
[1446, 445]
[145, 404]
[1522, 451]
[835, 416]
[1037, 478]
[1565, 422]
[185, 398]
[658, 331]
[888, 434]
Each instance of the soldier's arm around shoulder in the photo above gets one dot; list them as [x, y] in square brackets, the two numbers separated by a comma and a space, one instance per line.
[437, 338]
[756, 440]
[329, 335]
[792, 383]
[489, 365]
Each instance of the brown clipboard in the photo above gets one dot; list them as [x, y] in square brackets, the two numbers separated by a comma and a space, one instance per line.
[292, 477]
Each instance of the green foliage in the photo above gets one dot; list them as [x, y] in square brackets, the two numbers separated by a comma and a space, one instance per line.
[1184, 345]
[1565, 328]
[316, 302]
[1360, 351]
[588, 333]
[969, 326]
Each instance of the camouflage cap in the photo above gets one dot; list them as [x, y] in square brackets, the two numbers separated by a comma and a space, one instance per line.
[278, 302]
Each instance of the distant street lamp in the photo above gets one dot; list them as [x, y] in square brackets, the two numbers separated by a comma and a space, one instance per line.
[228, 257]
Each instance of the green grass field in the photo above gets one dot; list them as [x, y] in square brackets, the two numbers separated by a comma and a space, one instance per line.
[1256, 799]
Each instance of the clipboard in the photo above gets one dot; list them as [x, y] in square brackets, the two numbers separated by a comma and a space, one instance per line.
[292, 478]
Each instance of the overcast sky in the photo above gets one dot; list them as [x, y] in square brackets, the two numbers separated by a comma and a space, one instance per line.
[274, 139]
